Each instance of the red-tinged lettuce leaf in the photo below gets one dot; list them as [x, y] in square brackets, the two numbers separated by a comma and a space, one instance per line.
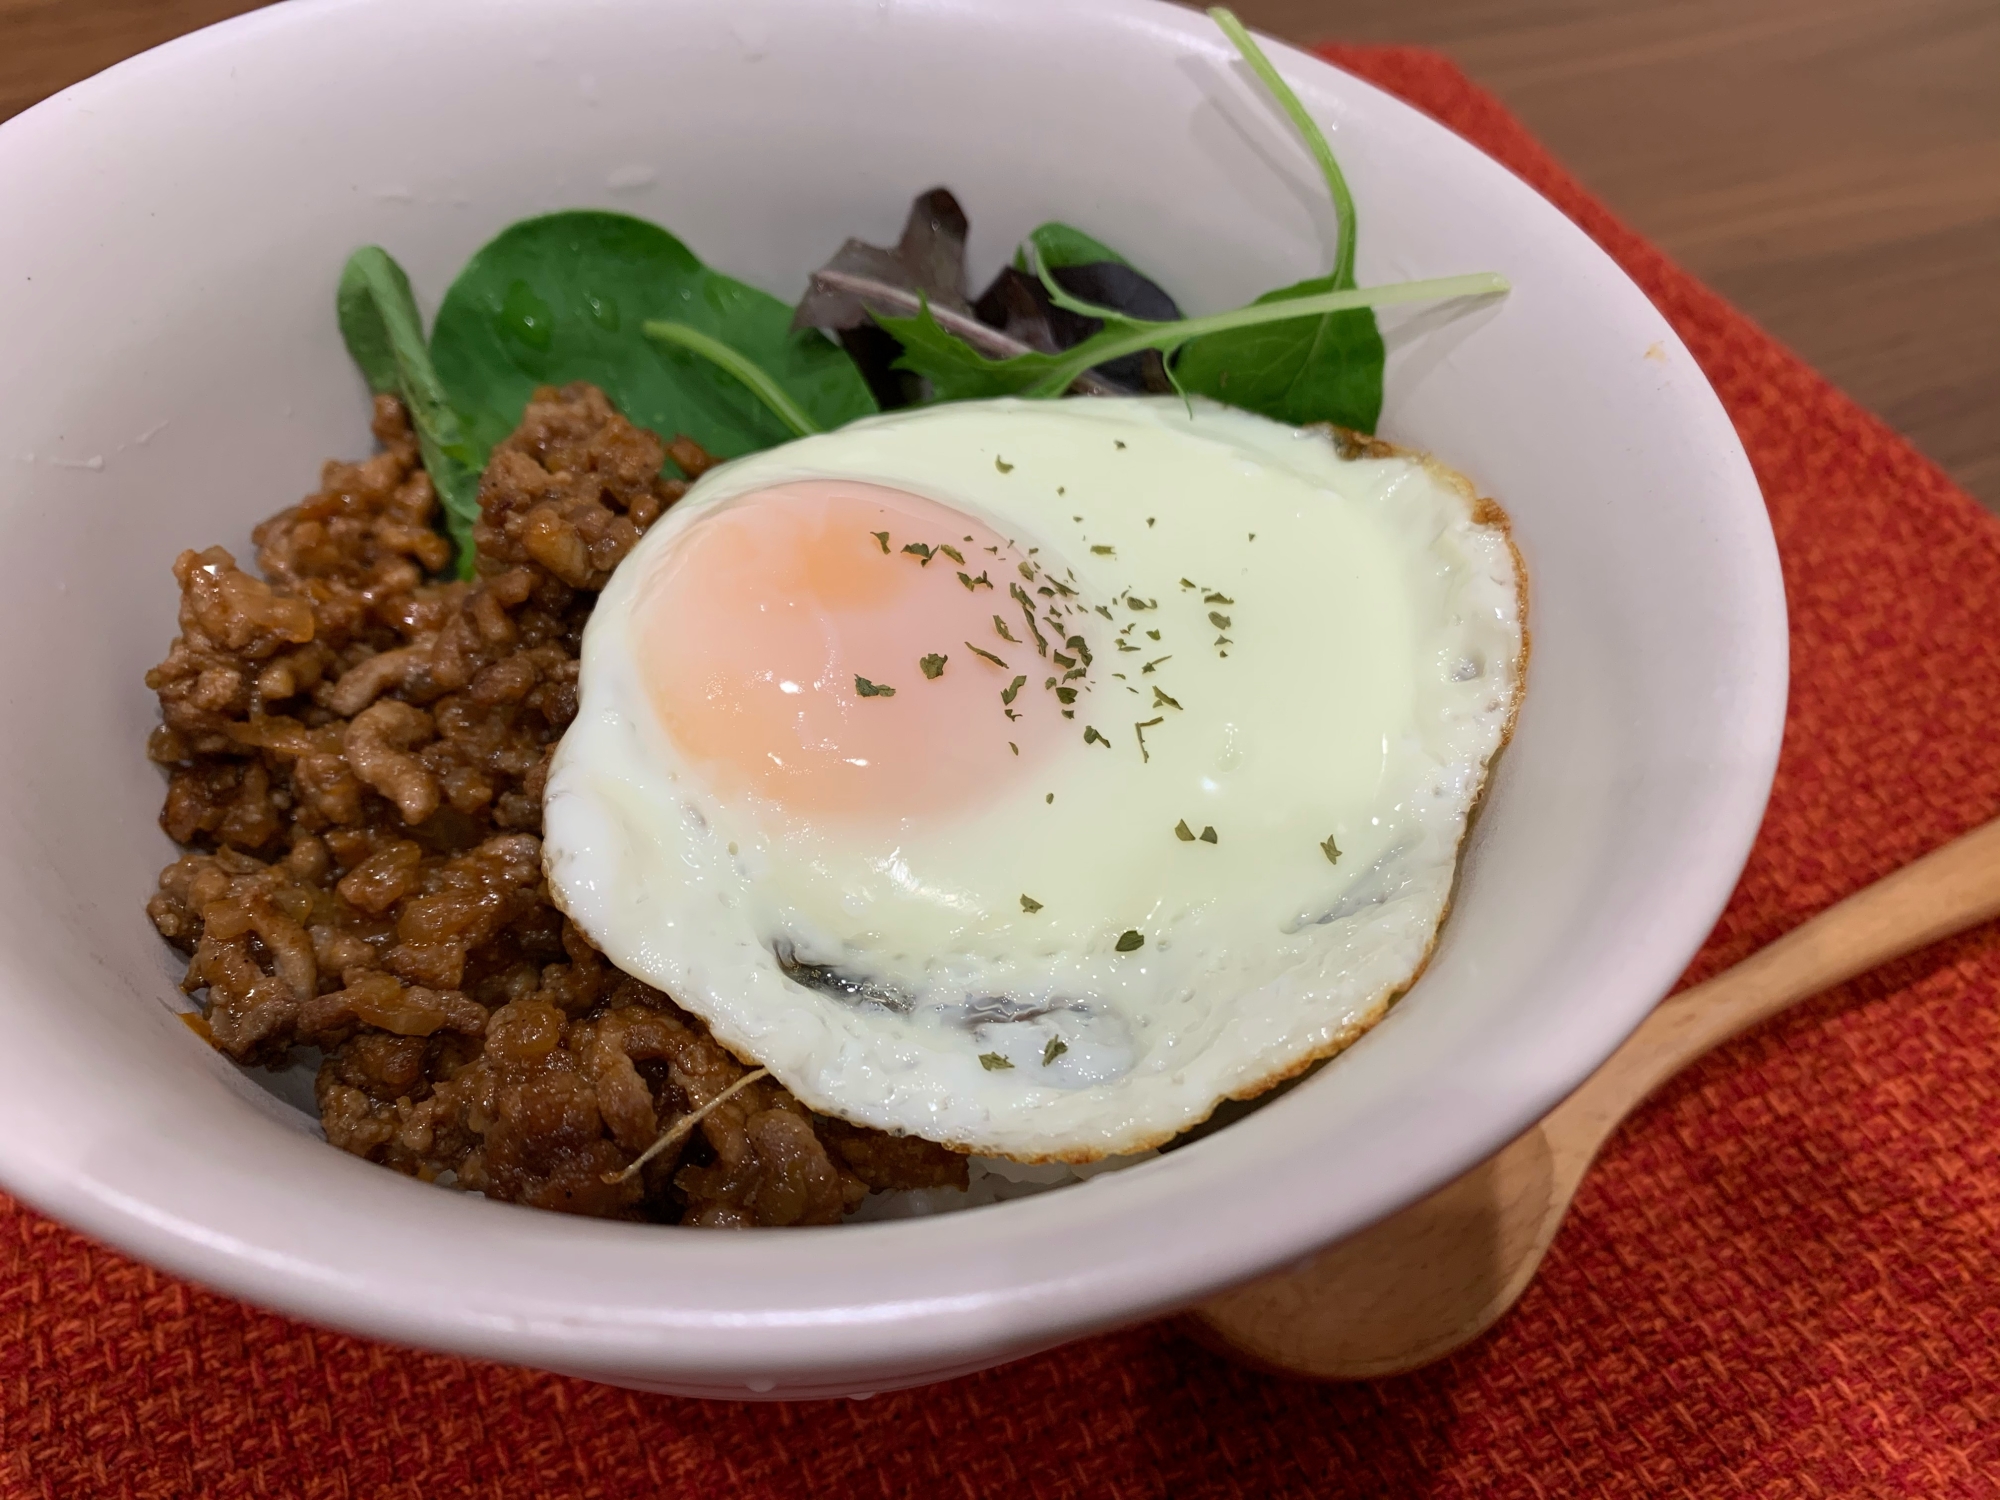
[864, 284]
[927, 265]
[1019, 304]
[1115, 285]
[929, 259]
[1057, 245]
[874, 350]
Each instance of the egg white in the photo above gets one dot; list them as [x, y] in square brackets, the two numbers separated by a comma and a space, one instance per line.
[1366, 671]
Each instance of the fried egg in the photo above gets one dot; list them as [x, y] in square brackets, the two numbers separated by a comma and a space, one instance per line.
[1032, 776]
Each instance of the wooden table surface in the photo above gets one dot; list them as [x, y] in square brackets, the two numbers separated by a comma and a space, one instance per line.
[1831, 166]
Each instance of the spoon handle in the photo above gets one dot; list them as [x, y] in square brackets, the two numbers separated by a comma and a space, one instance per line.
[1942, 894]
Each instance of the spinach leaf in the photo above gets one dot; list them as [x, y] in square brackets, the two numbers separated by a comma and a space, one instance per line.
[563, 298]
[385, 334]
[1326, 371]
[749, 374]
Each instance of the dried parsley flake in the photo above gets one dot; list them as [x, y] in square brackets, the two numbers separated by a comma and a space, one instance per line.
[1140, 729]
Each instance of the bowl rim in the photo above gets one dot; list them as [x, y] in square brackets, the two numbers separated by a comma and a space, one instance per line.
[1148, 1270]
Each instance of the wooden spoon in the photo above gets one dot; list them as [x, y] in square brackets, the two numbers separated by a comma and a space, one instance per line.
[1436, 1275]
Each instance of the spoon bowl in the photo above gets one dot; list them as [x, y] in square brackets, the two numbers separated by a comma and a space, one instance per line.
[1435, 1276]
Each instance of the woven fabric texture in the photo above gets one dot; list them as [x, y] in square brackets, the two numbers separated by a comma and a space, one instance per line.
[1783, 1278]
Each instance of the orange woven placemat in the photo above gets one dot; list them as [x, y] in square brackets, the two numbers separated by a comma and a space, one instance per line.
[1783, 1278]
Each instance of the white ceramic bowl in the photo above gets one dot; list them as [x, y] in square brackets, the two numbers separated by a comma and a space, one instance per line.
[172, 234]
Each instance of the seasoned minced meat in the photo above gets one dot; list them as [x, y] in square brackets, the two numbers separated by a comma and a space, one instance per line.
[356, 752]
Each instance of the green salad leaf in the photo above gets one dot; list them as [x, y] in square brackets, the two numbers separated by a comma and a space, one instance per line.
[1328, 370]
[1058, 245]
[564, 297]
[1325, 370]
[959, 373]
[682, 349]
[385, 334]
[1319, 361]
[1309, 131]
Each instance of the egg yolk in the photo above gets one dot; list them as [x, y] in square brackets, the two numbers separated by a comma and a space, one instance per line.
[839, 647]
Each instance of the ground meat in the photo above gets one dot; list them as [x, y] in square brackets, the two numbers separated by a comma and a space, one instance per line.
[356, 750]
